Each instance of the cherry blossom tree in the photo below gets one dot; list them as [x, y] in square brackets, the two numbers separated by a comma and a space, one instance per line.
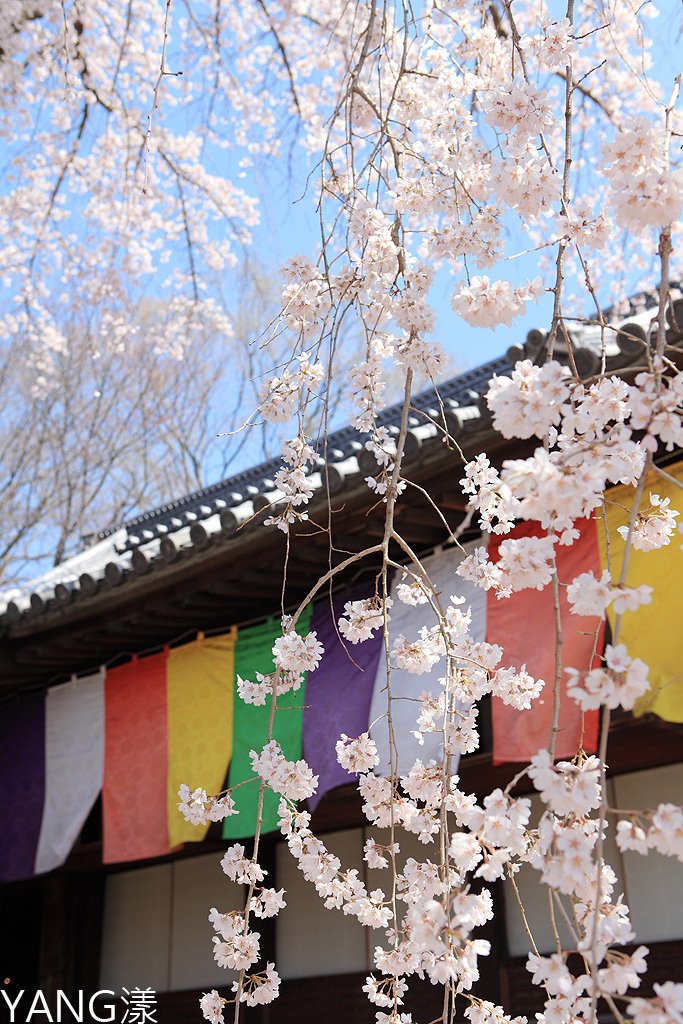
[443, 137]
[91, 432]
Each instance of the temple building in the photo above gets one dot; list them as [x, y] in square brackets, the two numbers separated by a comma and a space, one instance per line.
[117, 683]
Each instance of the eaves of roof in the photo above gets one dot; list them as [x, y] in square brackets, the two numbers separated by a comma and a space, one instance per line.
[164, 541]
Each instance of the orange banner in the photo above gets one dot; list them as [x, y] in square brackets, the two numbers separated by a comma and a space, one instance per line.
[524, 626]
[135, 760]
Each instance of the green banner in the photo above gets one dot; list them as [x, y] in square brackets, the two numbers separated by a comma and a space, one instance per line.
[254, 653]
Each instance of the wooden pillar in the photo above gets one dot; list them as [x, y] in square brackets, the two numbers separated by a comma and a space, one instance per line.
[21, 914]
[71, 933]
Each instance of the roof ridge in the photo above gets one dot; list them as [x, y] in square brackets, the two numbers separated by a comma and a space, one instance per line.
[337, 438]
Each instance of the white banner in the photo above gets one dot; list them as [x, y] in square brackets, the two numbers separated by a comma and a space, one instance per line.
[74, 756]
[407, 687]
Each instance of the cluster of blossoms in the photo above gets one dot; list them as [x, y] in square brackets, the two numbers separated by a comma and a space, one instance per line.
[565, 853]
[516, 687]
[570, 996]
[522, 107]
[292, 779]
[357, 755]
[494, 501]
[281, 394]
[413, 592]
[235, 947]
[485, 303]
[420, 655]
[267, 902]
[368, 380]
[470, 673]
[654, 526]
[240, 869]
[644, 192]
[294, 484]
[377, 856]
[258, 989]
[591, 446]
[305, 299]
[211, 1004]
[383, 446]
[553, 46]
[261, 691]
[447, 715]
[481, 1011]
[590, 596]
[498, 829]
[522, 563]
[621, 683]
[361, 619]
[295, 653]
[385, 991]
[198, 808]
[660, 830]
[567, 787]
[529, 402]
[665, 1008]
[655, 408]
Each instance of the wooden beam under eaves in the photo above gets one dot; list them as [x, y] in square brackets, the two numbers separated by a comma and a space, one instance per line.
[48, 658]
[230, 588]
[451, 502]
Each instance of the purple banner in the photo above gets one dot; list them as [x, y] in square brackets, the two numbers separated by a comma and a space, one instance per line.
[22, 782]
[339, 692]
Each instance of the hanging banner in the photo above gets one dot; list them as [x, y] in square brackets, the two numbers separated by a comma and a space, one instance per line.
[254, 653]
[74, 755]
[200, 687]
[22, 780]
[134, 797]
[651, 632]
[407, 687]
[524, 626]
[339, 691]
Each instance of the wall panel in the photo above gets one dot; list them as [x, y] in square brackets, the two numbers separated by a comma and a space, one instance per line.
[136, 928]
[654, 884]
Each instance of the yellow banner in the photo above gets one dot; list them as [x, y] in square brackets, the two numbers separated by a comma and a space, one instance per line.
[200, 716]
[653, 632]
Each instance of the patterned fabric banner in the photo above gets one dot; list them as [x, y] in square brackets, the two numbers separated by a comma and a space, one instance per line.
[135, 761]
[174, 717]
[22, 780]
[254, 653]
[524, 626]
[200, 712]
[74, 755]
[650, 632]
[406, 687]
[339, 692]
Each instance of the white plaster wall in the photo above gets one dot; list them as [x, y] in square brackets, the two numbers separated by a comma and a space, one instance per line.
[534, 897]
[310, 940]
[156, 929]
[313, 941]
[199, 885]
[654, 884]
[136, 928]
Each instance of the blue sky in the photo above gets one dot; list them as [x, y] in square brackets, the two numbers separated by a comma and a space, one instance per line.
[289, 225]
